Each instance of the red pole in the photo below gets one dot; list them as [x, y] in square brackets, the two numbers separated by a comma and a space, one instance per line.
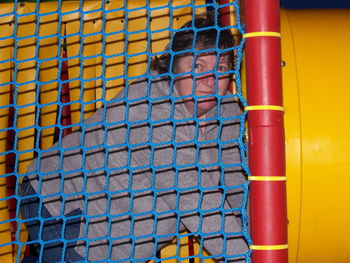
[266, 132]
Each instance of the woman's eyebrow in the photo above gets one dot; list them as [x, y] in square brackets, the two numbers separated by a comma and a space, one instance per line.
[223, 58]
[200, 58]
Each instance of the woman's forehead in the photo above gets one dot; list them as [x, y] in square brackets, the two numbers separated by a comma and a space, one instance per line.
[222, 58]
[212, 57]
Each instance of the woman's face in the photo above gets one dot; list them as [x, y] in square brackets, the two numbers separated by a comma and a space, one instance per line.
[205, 83]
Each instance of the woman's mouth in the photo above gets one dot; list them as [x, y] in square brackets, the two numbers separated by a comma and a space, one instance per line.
[205, 92]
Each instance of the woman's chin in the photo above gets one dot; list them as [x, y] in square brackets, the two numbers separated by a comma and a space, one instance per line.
[204, 106]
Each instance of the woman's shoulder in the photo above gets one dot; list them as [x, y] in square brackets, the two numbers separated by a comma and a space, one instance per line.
[230, 105]
[148, 86]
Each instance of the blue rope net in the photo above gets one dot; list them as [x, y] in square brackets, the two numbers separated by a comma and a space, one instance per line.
[121, 168]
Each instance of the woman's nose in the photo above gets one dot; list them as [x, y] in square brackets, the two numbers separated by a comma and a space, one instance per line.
[209, 79]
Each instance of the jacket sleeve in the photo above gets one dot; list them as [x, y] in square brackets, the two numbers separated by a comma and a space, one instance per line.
[234, 176]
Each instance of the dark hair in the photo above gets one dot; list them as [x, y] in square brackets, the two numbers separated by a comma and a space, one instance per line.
[208, 35]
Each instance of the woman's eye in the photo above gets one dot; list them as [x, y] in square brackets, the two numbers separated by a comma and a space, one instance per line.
[197, 66]
[221, 68]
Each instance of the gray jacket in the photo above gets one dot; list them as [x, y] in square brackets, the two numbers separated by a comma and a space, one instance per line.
[140, 170]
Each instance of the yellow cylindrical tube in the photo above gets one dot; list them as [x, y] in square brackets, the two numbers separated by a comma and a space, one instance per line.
[315, 53]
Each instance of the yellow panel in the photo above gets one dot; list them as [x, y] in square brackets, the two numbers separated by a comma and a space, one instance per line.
[161, 21]
[6, 51]
[48, 50]
[114, 48]
[170, 251]
[98, 61]
[26, 93]
[80, 68]
[7, 8]
[237, 39]
[184, 249]
[74, 69]
[136, 41]
[94, 69]
[87, 67]
[73, 45]
[73, 8]
[205, 253]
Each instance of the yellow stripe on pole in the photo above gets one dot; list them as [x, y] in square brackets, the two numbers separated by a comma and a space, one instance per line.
[268, 247]
[262, 34]
[264, 107]
[267, 178]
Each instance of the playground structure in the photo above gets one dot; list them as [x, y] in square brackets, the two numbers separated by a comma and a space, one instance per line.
[315, 87]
